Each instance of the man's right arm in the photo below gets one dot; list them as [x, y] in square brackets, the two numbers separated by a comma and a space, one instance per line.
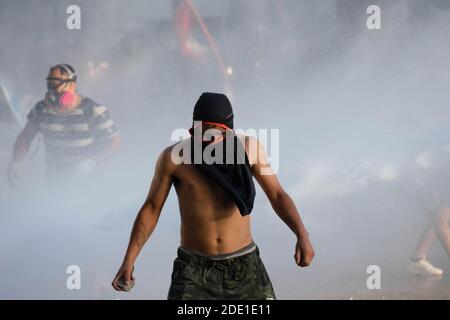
[21, 147]
[148, 215]
[23, 141]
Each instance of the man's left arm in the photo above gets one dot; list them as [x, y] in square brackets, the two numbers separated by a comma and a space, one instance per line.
[281, 203]
[105, 133]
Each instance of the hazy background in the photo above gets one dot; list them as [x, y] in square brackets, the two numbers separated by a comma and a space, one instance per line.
[363, 118]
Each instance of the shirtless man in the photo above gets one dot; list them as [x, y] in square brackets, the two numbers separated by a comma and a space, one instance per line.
[217, 258]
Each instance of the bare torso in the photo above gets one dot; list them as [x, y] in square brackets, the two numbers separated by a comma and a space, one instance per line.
[210, 221]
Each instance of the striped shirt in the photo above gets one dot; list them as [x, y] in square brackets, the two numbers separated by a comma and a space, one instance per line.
[71, 137]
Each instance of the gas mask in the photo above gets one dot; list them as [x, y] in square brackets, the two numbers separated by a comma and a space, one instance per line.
[62, 100]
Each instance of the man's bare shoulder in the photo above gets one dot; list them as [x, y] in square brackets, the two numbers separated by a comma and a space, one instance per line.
[172, 155]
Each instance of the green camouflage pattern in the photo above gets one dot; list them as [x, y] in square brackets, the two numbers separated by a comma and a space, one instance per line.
[200, 278]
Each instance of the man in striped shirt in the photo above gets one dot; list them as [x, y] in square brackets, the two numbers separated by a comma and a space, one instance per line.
[78, 133]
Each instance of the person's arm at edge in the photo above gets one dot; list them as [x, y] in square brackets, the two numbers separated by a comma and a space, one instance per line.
[281, 202]
[148, 215]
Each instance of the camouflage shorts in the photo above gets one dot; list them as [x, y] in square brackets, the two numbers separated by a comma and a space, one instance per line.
[198, 277]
